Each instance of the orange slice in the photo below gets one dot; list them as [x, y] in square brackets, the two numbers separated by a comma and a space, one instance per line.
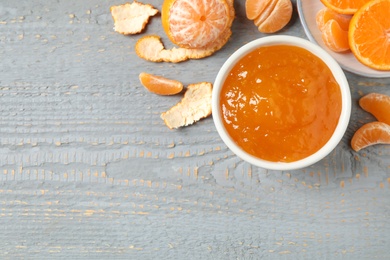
[195, 23]
[371, 134]
[195, 105]
[369, 34]
[334, 37]
[344, 6]
[160, 85]
[378, 105]
[269, 15]
[131, 18]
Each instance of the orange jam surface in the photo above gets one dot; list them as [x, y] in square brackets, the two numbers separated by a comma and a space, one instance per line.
[280, 103]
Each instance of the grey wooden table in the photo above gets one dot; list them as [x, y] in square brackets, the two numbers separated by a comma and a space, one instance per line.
[89, 170]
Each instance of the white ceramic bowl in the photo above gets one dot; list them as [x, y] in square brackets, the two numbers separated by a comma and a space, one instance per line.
[337, 73]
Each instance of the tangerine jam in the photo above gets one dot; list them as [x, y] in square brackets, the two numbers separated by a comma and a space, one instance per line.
[280, 103]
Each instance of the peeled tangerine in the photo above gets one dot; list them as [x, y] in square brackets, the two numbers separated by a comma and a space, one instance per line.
[334, 29]
[199, 28]
[269, 15]
[334, 37]
[196, 23]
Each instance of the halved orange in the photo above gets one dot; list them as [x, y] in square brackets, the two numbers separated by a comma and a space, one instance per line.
[344, 6]
[195, 23]
[378, 105]
[371, 134]
[369, 34]
[160, 85]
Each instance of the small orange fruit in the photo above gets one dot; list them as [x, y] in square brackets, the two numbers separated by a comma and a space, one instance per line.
[195, 23]
[371, 134]
[344, 6]
[378, 105]
[269, 15]
[326, 14]
[334, 37]
[160, 85]
[369, 34]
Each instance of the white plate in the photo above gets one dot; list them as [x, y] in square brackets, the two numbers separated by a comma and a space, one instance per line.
[307, 10]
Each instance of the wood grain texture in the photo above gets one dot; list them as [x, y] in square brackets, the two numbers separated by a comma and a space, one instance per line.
[89, 170]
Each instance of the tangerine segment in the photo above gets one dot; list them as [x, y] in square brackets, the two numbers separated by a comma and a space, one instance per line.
[369, 34]
[326, 14]
[371, 134]
[160, 85]
[254, 8]
[378, 105]
[344, 6]
[334, 37]
[195, 23]
[275, 16]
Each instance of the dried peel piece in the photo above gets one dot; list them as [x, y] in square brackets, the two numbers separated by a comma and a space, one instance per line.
[195, 105]
[131, 18]
[151, 48]
[160, 85]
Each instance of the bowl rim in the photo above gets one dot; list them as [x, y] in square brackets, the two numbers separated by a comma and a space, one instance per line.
[337, 72]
